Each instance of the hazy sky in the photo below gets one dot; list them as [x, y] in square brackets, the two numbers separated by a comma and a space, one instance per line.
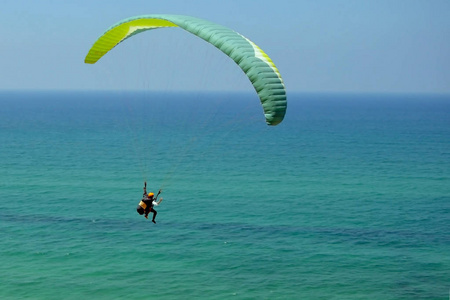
[318, 46]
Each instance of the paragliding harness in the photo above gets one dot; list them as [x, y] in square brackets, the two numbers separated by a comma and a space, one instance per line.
[144, 205]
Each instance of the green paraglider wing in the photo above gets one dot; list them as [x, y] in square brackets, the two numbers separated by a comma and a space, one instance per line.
[256, 64]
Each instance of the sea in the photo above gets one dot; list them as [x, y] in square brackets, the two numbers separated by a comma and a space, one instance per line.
[347, 198]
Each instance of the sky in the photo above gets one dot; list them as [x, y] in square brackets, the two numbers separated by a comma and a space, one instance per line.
[348, 46]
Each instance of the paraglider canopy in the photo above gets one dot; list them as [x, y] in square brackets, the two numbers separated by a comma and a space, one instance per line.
[255, 63]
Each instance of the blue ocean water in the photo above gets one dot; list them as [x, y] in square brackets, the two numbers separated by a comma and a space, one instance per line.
[348, 198]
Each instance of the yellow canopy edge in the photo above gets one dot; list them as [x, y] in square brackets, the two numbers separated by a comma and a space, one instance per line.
[117, 34]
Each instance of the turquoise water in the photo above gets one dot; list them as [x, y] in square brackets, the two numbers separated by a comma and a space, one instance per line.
[348, 198]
